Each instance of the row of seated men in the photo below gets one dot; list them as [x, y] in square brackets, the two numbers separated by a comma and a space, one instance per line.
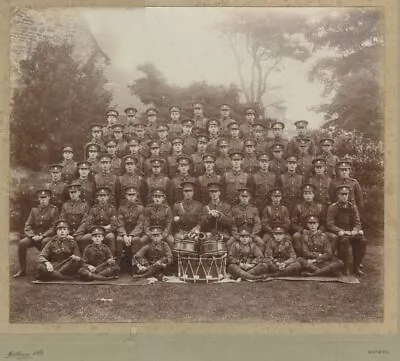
[129, 230]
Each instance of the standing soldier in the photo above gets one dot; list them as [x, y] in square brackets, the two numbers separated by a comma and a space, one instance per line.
[60, 258]
[214, 132]
[165, 144]
[322, 182]
[197, 158]
[235, 142]
[294, 143]
[172, 160]
[225, 118]
[155, 153]
[246, 128]
[69, 168]
[331, 159]
[87, 184]
[174, 123]
[152, 123]
[97, 137]
[279, 138]
[111, 146]
[290, 182]
[130, 113]
[57, 187]
[235, 179]
[259, 138]
[263, 181]
[134, 151]
[129, 129]
[250, 161]
[223, 163]
[107, 179]
[278, 163]
[118, 136]
[304, 159]
[142, 138]
[92, 157]
[343, 220]
[131, 178]
[245, 215]
[111, 117]
[157, 180]
[39, 227]
[199, 121]
[208, 177]
[190, 142]
[181, 176]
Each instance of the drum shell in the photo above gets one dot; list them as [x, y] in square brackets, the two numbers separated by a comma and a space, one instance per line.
[213, 247]
[185, 246]
[201, 268]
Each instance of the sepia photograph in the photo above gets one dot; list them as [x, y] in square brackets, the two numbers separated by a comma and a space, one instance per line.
[201, 164]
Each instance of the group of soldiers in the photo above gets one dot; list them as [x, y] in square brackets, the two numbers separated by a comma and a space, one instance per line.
[282, 207]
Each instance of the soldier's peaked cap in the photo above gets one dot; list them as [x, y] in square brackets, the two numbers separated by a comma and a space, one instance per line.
[55, 168]
[263, 156]
[312, 219]
[83, 164]
[156, 161]
[157, 192]
[278, 229]
[130, 159]
[103, 190]
[156, 229]
[107, 157]
[235, 154]
[184, 159]
[278, 123]
[343, 187]
[175, 108]
[43, 192]
[244, 232]
[319, 161]
[91, 146]
[214, 122]
[130, 108]
[250, 111]
[275, 192]
[209, 157]
[131, 190]
[98, 230]
[291, 159]
[276, 146]
[151, 110]
[326, 141]
[214, 186]
[244, 191]
[112, 112]
[188, 185]
[67, 148]
[61, 223]
[117, 126]
[308, 188]
[301, 123]
[177, 140]
[74, 185]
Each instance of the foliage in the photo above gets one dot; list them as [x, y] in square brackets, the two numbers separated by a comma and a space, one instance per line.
[58, 100]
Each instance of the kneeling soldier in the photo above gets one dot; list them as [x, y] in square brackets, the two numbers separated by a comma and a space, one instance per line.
[153, 258]
[245, 258]
[99, 263]
[60, 258]
[280, 255]
[318, 259]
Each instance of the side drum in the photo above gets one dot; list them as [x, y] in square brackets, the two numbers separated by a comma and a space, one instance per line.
[185, 246]
[211, 247]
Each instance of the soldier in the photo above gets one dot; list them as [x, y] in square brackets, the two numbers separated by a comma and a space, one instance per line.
[130, 223]
[280, 255]
[112, 118]
[92, 152]
[98, 261]
[214, 131]
[186, 213]
[131, 178]
[259, 138]
[142, 138]
[246, 216]
[301, 212]
[60, 258]
[278, 163]
[250, 161]
[155, 153]
[111, 146]
[156, 180]
[157, 213]
[152, 123]
[322, 182]
[197, 158]
[190, 142]
[153, 258]
[118, 135]
[326, 145]
[343, 178]
[290, 182]
[97, 137]
[235, 141]
[225, 118]
[304, 159]
[318, 258]
[200, 122]
[246, 128]
[175, 125]
[263, 181]
[245, 258]
[86, 182]
[129, 129]
[101, 214]
[343, 220]
[208, 177]
[274, 214]
[216, 217]
[38, 228]
[182, 176]
[106, 178]
[74, 210]
[165, 144]
[69, 168]
[134, 150]
[172, 160]
[57, 187]
[279, 138]
[223, 163]
[294, 143]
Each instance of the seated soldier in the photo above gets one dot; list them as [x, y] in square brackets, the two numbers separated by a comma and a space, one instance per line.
[60, 258]
[157, 213]
[245, 215]
[245, 258]
[38, 228]
[318, 259]
[99, 263]
[280, 255]
[153, 258]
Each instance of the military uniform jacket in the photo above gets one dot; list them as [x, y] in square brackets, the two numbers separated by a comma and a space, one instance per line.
[140, 163]
[275, 216]
[245, 217]
[190, 145]
[165, 148]
[147, 167]
[212, 146]
[157, 214]
[293, 146]
[302, 210]
[152, 130]
[153, 252]
[282, 141]
[317, 243]
[224, 125]
[240, 253]
[109, 180]
[232, 181]
[189, 213]
[209, 223]
[262, 182]
[132, 180]
[172, 165]
[58, 250]
[355, 195]
[99, 215]
[69, 170]
[96, 254]
[74, 212]
[331, 161]
[280, 252]
[236, 144]
[323, 188]
[277, 166]
[99, 142]
[223, 164]
[198, 165]
[94, 166]
[144, 148]
[41, 221]
[304, 165]
[162, 182]
[203, 181]
[116, 165]
[88, 189]
[291, 185]
[121, 148]
[175, 129]
[200, 124]
[130, 220]
[343, 217]
[261, 145]
[177, 187]
[58, 193]
[250, 163]
[246, 129]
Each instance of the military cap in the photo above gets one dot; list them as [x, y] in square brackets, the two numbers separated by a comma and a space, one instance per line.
[300, 123]
[130, 159]
[163, 127]
[213, 121]
[308, 188]
[326, 141]
[112, 112]
[62, 223]
[235, 154]
[83, 164]
[276, 147]
[97, 230]
[342, 188]
[312, 219]
[74, 185]
[188, 185]
[156, 162]
[96, 127]
[250, 111]
[224, 106]
[183, 159]
[103, 190]
[131, 190]
[140, 125]
[175, 108]
[43, 192]
[133, 141]
[304, 141]
[275, 192]
[249, 142]
[67, 148]
[130, 109]
[260, 125]
[198, 103]
[278, 230]
[151, 111]
[244, 192]
[344, 164]
[110, 142]
[209, 158]
[291, 159]
[244, 232]
[214, 187]
[319, 161]
[55, 168]
[154, 144]
[187, 121]
[157, 192]
[277, 123]
[156, 229]
[92, 146]
[176, 140]
[222, 141]
[202, 138]
[263, 156]
[105, 158]
[117, 127]
[233, 124]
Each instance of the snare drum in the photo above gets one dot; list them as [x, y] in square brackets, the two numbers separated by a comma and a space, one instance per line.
[185, 246]
[213, 247]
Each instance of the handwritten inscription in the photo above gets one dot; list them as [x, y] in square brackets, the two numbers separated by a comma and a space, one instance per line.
[21, 355]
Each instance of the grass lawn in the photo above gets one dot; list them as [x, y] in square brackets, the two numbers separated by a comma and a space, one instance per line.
[275, 301]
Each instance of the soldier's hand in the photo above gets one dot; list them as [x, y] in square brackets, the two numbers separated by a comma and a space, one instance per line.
[127, 240]
[75, 258]
[91, 268]
[49, 267]
[36, 237]
[70, 237]
[354, 233]
[108, 227]
[361, 232]
[341, 233]
[177, 218]
[111, 261]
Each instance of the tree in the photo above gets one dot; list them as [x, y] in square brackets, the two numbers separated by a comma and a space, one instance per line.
[350, 71]
[57, 101]
[260, 44]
